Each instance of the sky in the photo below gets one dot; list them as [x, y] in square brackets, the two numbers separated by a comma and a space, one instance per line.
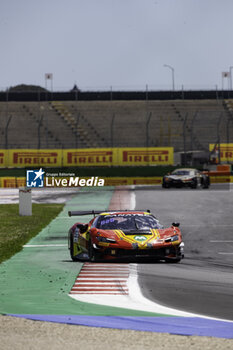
[118, 44]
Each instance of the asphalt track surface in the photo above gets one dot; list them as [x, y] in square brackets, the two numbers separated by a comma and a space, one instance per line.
[202, 282]
[39, 195]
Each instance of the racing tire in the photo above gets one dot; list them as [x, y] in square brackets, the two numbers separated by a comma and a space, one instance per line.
[91, 252]
[205, 186]
[194, 184]
[71, 243]
[205, 183]
[173, 261]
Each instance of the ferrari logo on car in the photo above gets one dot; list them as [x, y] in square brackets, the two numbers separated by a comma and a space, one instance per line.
[140, 238]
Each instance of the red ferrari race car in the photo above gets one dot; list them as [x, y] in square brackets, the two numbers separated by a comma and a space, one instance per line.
[124, 234]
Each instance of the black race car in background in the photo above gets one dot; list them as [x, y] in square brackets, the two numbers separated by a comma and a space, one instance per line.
[186, 178]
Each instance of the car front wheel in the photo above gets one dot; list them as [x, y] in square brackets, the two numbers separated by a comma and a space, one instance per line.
[172, 261]
[71, 245]
[92, 252]
[205, 183]
[193, 183]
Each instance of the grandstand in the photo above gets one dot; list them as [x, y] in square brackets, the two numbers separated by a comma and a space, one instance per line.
[184, 124]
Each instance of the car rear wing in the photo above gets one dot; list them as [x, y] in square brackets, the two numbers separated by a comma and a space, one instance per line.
[84, 212]
[96, 212]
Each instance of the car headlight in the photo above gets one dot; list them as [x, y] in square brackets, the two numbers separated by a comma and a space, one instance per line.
[172, 239]
[106, 240]
[167, 178]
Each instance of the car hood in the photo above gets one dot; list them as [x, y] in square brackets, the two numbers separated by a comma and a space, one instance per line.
[139, 236]
[180, 177]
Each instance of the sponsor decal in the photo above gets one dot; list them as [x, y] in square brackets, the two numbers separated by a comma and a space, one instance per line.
[4, 158]
[220, 179]
[76, 235]
[9, 183]
[116, 181]
[86, 157]
[226, 151]
[1, 158]
[13, 182]
[140, 238]
[146, 156]
[147, 181]
[89, 157]
[35, 158]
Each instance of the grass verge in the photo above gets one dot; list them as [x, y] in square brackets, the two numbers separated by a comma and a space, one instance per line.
[16, 230]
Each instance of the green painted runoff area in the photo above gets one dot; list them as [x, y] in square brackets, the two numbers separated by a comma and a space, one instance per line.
[37, 280]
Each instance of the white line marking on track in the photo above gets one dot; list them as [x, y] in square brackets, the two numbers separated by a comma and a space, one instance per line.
[104, 273]
[215, 225]
[91, 293]
[104, 267]
[65, 217]
[230, 241]
[104, 270]
[100, 284]
[223, 253]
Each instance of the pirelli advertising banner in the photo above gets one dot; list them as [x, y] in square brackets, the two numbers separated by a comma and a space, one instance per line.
[145, 156]
[226, 151]
[90, 157]
[3, 158]
[12, 182]
[118, 156]
[21, 158]
[25, 158]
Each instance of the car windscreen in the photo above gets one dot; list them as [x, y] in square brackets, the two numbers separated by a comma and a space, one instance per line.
[181, 172]
[127, 222]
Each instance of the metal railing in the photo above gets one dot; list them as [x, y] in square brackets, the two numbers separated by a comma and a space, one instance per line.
[185, 134]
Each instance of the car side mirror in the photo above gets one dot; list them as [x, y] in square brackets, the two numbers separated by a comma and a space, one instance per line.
[82, 227]
[176, 224]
